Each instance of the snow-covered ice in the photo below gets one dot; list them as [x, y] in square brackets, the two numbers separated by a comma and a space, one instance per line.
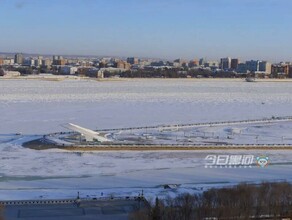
[33, 107]
[41, 106]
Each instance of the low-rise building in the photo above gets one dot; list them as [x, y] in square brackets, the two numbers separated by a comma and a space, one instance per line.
[193, 63]
[9, 73]
[88, 71]
[241, 68]
[290, 71]
[68, 70]
[101, 71]
[8, 61]
[122, 65]
[265, 66]
[281, 70]
[212, 64]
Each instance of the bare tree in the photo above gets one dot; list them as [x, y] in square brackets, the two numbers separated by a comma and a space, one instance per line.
[240, 202]
[2, 212]
[140, 214]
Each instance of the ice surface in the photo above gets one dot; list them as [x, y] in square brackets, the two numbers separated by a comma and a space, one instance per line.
[41, 106]
[38, 107]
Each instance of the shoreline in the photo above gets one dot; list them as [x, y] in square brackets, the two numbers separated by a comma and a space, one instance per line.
[57, 78]
[40, 146]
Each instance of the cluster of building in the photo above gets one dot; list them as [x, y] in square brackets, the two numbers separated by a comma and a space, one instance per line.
[257, 67]
[93, 67]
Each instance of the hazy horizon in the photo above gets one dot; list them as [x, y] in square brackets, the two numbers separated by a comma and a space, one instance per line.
[13, 53]
[187, 29]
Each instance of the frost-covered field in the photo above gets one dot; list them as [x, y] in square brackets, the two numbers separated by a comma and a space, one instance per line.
[38, 107]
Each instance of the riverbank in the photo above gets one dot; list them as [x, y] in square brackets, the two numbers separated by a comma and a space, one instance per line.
[47, 77]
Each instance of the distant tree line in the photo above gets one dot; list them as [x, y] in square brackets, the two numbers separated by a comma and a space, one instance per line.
[157, 73]
[174, 73]
[166, 72]
[244, 201]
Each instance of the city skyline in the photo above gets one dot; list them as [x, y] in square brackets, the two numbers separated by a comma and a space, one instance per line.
[28, 56]
[157, 29]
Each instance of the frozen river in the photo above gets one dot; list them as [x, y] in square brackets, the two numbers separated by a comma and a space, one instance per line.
[34, 106]
[38, 107]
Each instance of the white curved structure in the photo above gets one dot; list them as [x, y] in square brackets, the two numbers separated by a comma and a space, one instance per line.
[89, 135]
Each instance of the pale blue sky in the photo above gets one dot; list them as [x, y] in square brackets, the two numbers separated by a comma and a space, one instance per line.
[248, 29]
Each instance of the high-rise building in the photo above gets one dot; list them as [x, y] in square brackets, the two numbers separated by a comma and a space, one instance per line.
[202, 61]
[38, 62]
[265, 66]
[225, 63]
[18, 58]
[58, 60]
[132, 60]
[234, 64]
[252, 65]
[46, 62]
